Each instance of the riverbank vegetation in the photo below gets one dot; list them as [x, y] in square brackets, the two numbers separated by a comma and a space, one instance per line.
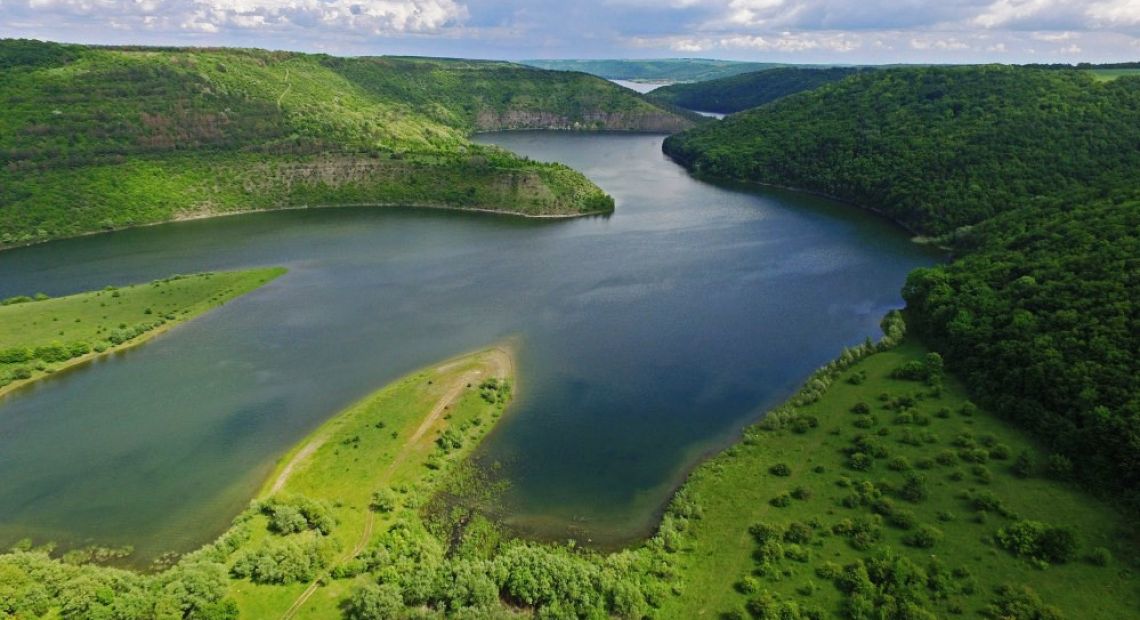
[731, 94]
[878, 490]
[98, 138]
[40, 335]
[1027, 174]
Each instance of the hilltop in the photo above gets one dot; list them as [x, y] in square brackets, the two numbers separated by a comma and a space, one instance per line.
[97, 138]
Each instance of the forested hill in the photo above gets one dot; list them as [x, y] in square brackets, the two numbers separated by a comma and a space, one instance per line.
[98, 138]
[934, 148]
[748, 90]
[1030, 174]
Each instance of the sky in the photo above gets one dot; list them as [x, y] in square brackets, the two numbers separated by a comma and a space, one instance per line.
[808, 31]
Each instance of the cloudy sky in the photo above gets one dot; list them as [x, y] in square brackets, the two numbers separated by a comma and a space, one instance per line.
[841, 31]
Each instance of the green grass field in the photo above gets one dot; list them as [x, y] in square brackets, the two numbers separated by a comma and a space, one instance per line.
[718, 565]
[39, 336]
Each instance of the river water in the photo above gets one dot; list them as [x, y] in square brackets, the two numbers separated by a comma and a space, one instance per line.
[645, 339]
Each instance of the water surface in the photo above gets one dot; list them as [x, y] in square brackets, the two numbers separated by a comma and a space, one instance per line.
[645, 338]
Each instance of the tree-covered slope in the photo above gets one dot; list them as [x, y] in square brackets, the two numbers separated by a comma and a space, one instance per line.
[99, 138]
[748, 90]
[1030, 174]
[934, 148]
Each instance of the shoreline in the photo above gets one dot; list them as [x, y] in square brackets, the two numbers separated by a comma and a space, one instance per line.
[379, 205]
[76, 363]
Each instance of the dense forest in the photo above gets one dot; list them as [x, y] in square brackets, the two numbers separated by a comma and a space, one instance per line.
[1028, 174]
[749, 90]
[100, 138]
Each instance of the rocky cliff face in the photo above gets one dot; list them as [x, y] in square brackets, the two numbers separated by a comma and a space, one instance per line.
[650, 121]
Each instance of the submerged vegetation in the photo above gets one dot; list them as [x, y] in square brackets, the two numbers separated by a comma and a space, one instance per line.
[40, 335]
[97, 138]
[1028, 174]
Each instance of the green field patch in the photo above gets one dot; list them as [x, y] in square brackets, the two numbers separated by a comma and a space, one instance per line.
[40, 335]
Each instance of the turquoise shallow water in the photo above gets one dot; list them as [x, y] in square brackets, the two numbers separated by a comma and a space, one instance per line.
[645, 338]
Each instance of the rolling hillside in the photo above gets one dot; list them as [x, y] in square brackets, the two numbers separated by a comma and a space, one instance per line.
[101, 138]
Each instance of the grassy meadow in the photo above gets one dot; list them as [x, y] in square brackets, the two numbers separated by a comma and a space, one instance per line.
[41, 335]
[822, 510]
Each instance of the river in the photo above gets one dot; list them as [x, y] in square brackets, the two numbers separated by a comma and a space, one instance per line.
[646, 338]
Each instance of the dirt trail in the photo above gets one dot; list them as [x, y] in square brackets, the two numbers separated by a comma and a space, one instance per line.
[501, 367]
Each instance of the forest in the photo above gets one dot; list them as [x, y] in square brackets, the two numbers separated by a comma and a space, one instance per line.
[748, 90]
[98, 138]
[1028, 176]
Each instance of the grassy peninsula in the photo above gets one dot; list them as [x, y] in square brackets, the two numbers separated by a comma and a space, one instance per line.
[40, 335]
[98, 138]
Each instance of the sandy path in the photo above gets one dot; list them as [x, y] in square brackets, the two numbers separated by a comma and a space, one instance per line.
[302, 454]
[501, 367]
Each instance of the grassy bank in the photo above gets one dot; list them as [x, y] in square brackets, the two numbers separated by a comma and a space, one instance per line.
[825, 509]
[42, 335]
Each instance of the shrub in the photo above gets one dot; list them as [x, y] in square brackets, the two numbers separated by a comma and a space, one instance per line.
[899, 463]
[801, 493]
[295, 514]
[780, 469]
[1020, 604]
[783, 500]
[902, 519]
[1023, 466]
[798, 533]
[914, 489]
[861, 408]
[383, 500]
[1038, 541]
[860, 461]
[372, 602]
[925, 537]
[1099, 556]
[279, 561]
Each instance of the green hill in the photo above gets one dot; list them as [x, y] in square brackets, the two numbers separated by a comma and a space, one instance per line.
[1029, 175]
[98, 138]
[748, 90]
[658, 70]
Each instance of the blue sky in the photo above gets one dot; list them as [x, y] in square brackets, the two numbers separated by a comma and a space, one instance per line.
[862, 31]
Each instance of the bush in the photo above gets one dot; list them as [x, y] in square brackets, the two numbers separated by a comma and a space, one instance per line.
[783, 500]
[1036, 540]
[1020, 604]
[780, 469]
[279, 561]
[860, 461]
[801, 493]
[383, 500]
[924, 537]
[374, 602]
[1099, 556]
[861, 408]
[1023, 466]
[914, 489]
[290, 515]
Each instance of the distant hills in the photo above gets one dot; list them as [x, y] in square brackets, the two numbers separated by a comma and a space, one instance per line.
[660, 70]
[748, 90]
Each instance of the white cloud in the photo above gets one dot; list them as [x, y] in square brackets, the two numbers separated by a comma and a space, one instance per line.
[211, 16]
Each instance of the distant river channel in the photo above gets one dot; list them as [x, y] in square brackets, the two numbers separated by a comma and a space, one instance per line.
[646, 339]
